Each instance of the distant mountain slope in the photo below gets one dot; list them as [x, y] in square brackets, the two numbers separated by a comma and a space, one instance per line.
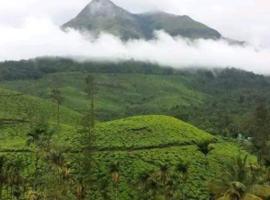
[176, 25]
[215, 100]
[104, 16]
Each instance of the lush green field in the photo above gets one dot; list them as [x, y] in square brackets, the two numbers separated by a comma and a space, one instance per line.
[118, 95]
[219, 101]
[140, 145]
[19, 106]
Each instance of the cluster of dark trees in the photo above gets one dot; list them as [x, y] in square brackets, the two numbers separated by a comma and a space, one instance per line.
[233, 96]
[216, 78]
[36, 68]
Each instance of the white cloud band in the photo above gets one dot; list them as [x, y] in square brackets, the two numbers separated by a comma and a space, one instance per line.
[38, 38]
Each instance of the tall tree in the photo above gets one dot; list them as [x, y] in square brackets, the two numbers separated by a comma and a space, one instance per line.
[259, 128]
[182, 172]
[39, 139]
[84, 160]
[57, 97]
[90, 90]
[115, 174]
[238, 181]
[2, 174]
[86, 139]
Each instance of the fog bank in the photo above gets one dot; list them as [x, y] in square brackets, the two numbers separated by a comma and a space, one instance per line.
[40, 37]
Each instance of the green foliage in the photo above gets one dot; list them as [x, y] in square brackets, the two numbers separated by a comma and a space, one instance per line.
[124, 157]
[155, 145]
[27, 107]
[149, 132]
[133, 88]
[239, 180]
[259, 128]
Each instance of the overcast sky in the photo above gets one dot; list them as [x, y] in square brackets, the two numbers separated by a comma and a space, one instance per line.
[30, 28]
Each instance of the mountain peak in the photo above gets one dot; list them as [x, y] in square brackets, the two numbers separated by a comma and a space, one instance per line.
[100, 8]
[105, 16]
[101, 3]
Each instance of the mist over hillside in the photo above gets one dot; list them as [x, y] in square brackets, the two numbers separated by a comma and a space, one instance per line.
[104, 16]
[177, 41]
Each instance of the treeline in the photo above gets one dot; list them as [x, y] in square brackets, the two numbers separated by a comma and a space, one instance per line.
[221, 78]
[233, 96]
[36, 68]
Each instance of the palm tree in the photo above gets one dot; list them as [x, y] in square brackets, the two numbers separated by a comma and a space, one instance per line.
[204, 148]
[33, 196]
[114, 171]
[91, 90]
[80, 191]
[145, 184]
[103, 185]
[39, 138]
[237, 191]
[153, 188]
[237, 182]
[163, 174]
[2, 174]
[57, 159]
[162, 178]
[57, 97]
[182, 175]
[40, 135]
[182, 169]
[14, 177]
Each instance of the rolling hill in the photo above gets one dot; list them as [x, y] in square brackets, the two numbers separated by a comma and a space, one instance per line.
[20, 106]
[141, 145]
[132, 130]
[218, 100]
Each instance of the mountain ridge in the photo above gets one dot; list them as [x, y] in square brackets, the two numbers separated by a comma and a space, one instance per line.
[105, 16]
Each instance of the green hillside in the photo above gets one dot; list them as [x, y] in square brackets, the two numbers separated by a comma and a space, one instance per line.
[132, 138]
[176, 25]
[20, 106]
[118, 95]
[19, 111]
[219, 101]
[141, 145]
[150, 132]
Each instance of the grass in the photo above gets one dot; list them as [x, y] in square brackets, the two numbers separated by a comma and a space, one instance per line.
[149, 131]
[142, 144]
[118, 95]
[24, 106]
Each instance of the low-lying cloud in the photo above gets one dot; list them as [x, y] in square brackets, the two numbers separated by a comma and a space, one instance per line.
[37, 38]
